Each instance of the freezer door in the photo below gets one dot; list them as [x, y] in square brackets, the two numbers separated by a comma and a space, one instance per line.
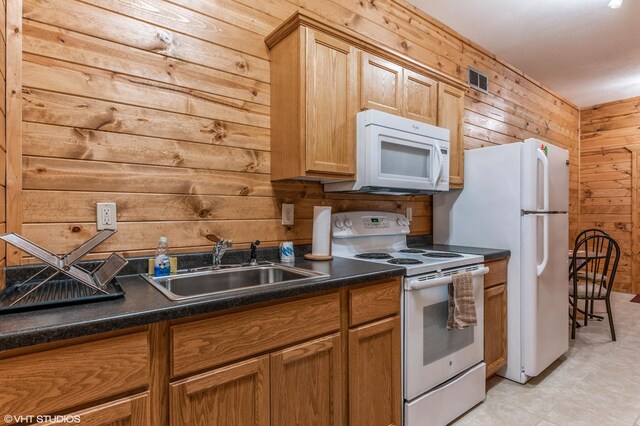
[544, 294]
[544, 162]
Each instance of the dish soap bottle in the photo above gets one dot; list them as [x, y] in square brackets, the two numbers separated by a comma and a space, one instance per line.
[162, 265]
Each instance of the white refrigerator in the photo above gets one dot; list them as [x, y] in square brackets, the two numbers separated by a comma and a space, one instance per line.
[516, 197]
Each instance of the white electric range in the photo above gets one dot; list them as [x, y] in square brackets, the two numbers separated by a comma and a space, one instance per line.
[443, 370]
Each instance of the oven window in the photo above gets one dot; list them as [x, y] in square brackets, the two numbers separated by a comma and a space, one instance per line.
[402, 160]
[438, 342]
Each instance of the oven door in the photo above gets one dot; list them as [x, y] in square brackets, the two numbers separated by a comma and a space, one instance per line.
[403, 160]
[433, 354]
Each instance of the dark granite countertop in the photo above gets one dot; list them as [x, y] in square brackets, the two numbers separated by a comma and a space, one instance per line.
[143, 304]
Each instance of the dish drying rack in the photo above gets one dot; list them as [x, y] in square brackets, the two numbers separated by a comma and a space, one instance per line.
[84, 286]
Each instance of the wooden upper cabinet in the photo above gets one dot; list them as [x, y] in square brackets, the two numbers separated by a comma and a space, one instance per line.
[233, 395]
[314, 101]
[381, 84]
[421, 97]
[451, 116]
[332, 81]
[306, 383]
[387, 86]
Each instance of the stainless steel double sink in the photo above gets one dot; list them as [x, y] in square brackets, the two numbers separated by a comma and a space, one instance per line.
[199, 283]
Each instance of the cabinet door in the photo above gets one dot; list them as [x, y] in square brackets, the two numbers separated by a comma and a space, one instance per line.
[306, 384]
[131, 411]
[420, 97]
[451, 116]
[380, 84]
[495, 328]
[331, 100]
[233, 395]
[375, 397]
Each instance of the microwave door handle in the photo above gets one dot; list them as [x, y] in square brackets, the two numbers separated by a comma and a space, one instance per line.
[440, 160]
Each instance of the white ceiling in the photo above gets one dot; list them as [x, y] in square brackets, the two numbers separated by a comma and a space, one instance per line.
[580, 49]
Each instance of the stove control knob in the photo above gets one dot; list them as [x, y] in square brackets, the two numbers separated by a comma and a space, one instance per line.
[348, 223]
[399, 221]
[338, 223]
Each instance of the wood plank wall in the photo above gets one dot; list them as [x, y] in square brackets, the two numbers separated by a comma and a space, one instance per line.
[3, 145]
[609, 176]
[163, 107]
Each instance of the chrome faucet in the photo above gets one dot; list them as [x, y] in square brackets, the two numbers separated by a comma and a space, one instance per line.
[253, 261]
[219, 249]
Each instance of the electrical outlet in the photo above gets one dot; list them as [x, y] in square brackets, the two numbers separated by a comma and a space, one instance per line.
[409, 213]
[287, 214]
[106, 216]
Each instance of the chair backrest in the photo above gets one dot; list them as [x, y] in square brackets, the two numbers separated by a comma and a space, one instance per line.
[587, 233]
[595, 262]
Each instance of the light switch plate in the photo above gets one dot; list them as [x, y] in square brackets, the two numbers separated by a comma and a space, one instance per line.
[287, 214]
[106, 216]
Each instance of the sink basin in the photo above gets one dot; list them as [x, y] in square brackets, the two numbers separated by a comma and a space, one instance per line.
[202, 283]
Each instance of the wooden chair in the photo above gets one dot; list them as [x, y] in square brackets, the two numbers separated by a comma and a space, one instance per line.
[593, 264]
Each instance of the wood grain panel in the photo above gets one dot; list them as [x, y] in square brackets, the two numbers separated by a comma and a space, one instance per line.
[306, 383]
[214, 341]
[3, 136]
[130, 411]
[609, 176]
[374, 374]
[164, 107]
[495, 327]
[497, 273]
[233, 395]
[374, 302]
[27, 388]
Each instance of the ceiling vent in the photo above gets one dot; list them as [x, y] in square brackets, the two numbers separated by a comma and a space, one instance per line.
[478, 80]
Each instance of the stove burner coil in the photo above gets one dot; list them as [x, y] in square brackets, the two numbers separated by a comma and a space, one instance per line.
[415, 251]
[442, 254]
[404, 261]
[374, 256]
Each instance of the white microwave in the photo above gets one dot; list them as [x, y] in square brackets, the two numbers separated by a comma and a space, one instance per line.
[397, 155]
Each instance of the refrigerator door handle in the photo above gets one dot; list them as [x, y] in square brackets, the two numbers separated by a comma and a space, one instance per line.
[545, 201]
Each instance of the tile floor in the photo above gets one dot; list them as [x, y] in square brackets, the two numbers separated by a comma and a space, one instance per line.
[597, 382]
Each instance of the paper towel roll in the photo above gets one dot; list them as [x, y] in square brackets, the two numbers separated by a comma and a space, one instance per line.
[321, 243]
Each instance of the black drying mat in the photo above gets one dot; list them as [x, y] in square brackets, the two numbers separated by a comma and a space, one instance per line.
[54, 294]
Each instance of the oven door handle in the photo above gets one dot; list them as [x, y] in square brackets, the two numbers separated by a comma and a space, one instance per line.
[441, 281]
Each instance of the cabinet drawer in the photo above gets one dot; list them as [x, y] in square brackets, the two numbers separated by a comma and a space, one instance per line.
[497, 273]
[373, 302]
[130, 411]
[214, 341]
[53, 380]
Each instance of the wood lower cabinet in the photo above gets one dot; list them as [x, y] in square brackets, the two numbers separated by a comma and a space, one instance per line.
[451, 116]
[306, 383]
[495, 316]
[374, 374]
[233, 395]
[131, 411]
[327, 359]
